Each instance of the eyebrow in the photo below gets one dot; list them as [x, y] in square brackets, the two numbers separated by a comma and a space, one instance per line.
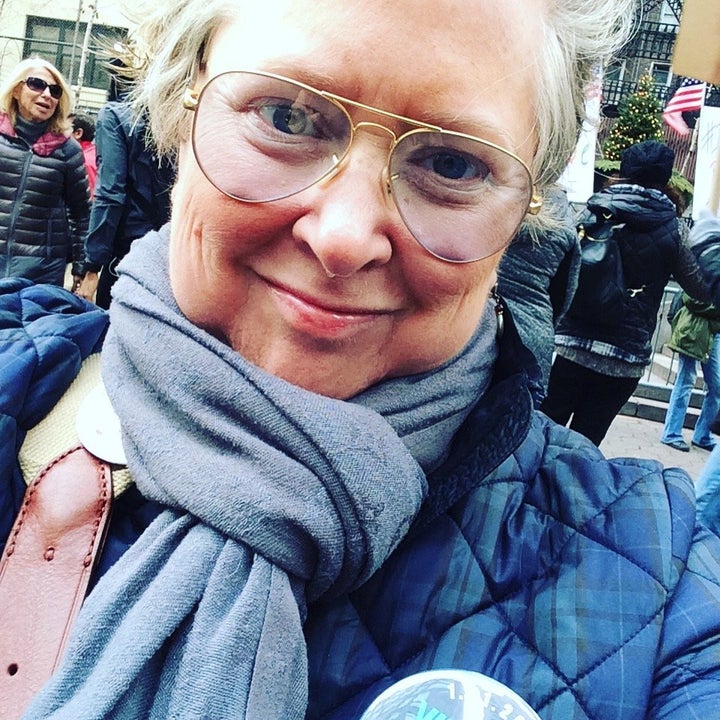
[315, 78]
[294, 69]
[480, 128]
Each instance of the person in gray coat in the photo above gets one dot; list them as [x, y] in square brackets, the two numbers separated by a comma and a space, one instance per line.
[537, 278]
[44, 196]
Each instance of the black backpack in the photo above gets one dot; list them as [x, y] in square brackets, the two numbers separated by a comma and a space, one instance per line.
[601, 295]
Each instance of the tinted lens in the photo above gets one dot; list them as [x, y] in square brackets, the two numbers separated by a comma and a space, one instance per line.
[462, 199]
[258, 138]
[39, 85]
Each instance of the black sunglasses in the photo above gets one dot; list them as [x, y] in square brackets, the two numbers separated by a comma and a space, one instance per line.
[39, 85]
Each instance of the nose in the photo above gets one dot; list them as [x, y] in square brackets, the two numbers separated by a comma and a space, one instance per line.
[351, 220]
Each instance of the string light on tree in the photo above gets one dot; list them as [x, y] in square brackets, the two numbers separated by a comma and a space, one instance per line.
[640, 119]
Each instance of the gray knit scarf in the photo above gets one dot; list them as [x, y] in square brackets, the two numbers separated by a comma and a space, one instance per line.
[276, 497]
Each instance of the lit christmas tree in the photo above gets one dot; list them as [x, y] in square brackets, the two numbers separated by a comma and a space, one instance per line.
[640, 119]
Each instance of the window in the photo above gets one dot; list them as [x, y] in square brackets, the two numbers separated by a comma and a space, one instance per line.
[61, 41]
[661, 74]
[667, 13]
[615, 71]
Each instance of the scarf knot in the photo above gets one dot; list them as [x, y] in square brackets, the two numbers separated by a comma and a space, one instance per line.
[276, 496]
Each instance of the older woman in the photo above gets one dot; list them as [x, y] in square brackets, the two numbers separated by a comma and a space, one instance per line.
[337, 475]
[44, 197]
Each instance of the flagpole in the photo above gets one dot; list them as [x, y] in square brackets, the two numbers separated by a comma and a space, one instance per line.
[691, 150]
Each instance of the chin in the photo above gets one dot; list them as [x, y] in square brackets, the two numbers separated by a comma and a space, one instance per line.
[323, 377]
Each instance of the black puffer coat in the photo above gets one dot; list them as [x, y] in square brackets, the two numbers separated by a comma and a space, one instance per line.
[44, 205]
[652, 252]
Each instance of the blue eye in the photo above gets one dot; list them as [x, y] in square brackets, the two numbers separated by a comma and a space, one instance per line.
[453, 166]
[450, 166]
[288, 119]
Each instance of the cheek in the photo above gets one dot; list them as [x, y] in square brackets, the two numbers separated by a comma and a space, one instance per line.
[208, 228]
[453, 290]
[200, 246]
[201, 211]
[449, 304]
[21, 100]
[213, 242]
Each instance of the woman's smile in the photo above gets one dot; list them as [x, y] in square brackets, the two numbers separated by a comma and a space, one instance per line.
[325, 319]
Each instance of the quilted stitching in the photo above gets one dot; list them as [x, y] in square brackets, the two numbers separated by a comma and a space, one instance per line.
[537, 545]
[45, 334]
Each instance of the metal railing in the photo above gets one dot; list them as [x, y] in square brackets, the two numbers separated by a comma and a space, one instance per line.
[655, 42]
[663, 364]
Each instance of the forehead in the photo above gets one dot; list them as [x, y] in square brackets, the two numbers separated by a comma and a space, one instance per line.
[429, 59]
[40, 71]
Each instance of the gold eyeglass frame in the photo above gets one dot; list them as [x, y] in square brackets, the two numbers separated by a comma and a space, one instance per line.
[191, 99]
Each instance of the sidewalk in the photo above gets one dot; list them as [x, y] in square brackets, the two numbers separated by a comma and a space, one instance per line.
[635, 437]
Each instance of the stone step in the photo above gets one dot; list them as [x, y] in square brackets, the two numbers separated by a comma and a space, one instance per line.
[661, 394]
[648, 409]
[651, 397]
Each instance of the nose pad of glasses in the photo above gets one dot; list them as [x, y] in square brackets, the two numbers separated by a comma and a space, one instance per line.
[376, 129]
[387, 185]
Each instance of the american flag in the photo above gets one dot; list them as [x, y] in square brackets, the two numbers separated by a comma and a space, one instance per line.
[688, 97]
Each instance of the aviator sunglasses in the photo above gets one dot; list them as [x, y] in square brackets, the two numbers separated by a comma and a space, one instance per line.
[38, 85]
[260, 137]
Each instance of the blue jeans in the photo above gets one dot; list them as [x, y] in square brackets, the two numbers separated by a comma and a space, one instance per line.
[707, 491]
[680, 397]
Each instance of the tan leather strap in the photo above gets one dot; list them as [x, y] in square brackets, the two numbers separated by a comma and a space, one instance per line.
[45, 569]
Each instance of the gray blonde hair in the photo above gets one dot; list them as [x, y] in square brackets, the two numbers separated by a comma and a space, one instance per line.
[168, 46]
[60, 121]
[579, 37]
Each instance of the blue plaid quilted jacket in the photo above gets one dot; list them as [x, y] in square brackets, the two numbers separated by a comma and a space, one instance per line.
[585, 585]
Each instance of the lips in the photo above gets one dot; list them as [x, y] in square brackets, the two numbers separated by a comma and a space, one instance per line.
[44, 108]
[319, 317]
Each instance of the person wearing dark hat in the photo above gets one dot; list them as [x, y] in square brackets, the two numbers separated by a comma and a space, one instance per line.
[598, 365]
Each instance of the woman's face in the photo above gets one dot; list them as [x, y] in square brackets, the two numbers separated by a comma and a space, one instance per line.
[33, 105]
[328, 289]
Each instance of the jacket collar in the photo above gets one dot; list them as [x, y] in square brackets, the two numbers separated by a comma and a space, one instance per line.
[44, 146]
[497, 426]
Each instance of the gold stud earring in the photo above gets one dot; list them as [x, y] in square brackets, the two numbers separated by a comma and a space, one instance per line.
[536, 202]
[190, 99]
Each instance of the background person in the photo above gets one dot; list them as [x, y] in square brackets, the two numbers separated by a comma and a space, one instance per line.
[598, 366]
[132, 198]
[348, 479]
[694, 337]
[44, 200]
[705, 244]
[84, 132]
[537, 277]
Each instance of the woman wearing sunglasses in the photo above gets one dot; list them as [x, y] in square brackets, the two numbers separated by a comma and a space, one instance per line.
[44, 200]
[329, 473]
